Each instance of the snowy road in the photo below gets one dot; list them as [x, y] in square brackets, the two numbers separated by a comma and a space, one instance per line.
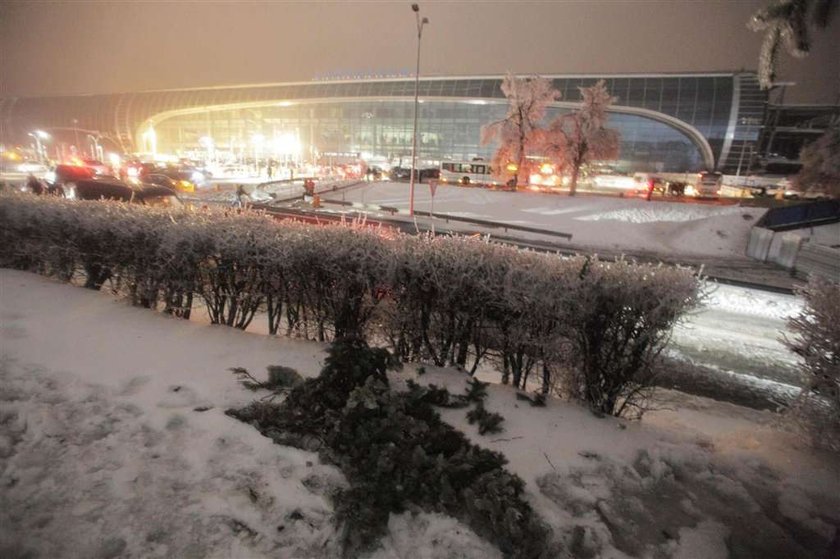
[736, 337]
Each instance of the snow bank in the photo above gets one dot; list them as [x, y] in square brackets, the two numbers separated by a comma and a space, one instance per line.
[667, 212]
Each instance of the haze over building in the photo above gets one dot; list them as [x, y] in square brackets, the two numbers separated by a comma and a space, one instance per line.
[96, 47]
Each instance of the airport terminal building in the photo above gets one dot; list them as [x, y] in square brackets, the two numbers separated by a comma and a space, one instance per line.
[668, 122]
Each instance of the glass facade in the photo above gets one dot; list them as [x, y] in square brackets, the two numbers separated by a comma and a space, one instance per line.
[667, 122]
[382, 130]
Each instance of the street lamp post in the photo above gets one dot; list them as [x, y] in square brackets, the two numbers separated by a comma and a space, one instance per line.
[39, 135]
[76, 130]
[420, 23]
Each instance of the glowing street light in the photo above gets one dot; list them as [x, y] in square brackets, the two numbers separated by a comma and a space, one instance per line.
[76, 129]
[39, 147]
[209, 146]
[150, 141]
[420, 23]
[257, 140]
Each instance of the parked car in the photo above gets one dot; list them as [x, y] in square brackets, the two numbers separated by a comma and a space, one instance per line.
[32, 167]
[158, 196]
[400, 173]
[404, 173]
[791, 194]
[98, 167]
[150, 195]
[169, 181]
[62, 174]
[133, 170]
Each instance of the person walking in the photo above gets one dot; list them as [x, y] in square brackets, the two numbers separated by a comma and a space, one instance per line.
[650, 186]
[241, 197]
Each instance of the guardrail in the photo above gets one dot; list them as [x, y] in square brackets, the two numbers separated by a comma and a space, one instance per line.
[801, 215]
[773, 239]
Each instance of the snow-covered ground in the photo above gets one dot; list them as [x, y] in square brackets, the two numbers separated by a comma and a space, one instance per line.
[737, 335]
[113, 440]
[597, 222]
[114, 443]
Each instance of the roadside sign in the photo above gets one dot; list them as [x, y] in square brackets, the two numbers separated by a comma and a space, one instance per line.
[433, 187]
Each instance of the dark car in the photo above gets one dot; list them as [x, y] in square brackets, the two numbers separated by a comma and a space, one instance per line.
[136, 169]
[429, 173]
[150, 195]
[400, 173]
[168, 181]
[63, 174]
[159, 196]
[182, 179]
[98, 167]
[404, 173]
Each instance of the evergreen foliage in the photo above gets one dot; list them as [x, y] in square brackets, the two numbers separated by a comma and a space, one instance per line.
[397, 453]
[435, 396]
[280, 379]
[488, 422]
[283, 377]
[476, 391]
[787, 23]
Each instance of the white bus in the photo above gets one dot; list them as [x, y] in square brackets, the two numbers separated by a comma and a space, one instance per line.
[467, 172]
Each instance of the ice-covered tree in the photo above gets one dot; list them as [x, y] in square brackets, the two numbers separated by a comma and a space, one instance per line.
[821, 165]
[528, 99]
[816, 337]
[786, 23]
[581, 136]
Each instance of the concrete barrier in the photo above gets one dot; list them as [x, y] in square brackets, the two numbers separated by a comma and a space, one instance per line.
[794, 252]
[818, 259]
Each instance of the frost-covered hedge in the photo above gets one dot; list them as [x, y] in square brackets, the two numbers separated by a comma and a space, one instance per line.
[816, 338]
[586, 327]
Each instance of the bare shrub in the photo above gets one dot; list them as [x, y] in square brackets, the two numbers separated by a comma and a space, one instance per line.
[231, 275]
[816, 337]
[592, 328]
[624, 314]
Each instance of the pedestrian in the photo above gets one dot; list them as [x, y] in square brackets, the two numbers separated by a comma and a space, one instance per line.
[34, 185]
[270, 169]
[650, 189]
[241, 197]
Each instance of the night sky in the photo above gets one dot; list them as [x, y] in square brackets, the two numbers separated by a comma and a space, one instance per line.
[54, 48]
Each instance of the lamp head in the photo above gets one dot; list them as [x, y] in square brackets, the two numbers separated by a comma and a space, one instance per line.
[415, 8]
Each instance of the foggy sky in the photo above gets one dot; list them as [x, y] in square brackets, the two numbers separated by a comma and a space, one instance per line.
[56, 48]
